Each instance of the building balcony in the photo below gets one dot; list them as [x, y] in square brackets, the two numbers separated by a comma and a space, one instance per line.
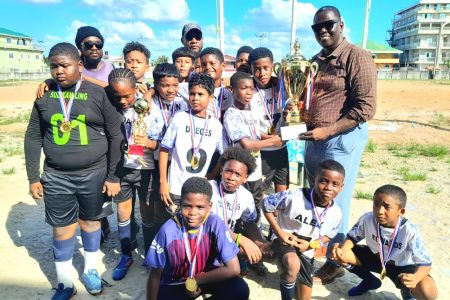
[12, 46]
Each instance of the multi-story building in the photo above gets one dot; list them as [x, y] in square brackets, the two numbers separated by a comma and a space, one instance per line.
[422, 32]
[17, 53]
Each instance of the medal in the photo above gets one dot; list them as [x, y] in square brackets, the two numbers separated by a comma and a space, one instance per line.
[383, 274]
[384, 259]
[315, 244]
[318, 243]
[268, 112]
[229, 222]
[218, 106]
[255, 153]
[191, 285]
[195, 161]
[66, 108]
[271, 130]
[172, 209]
[65, 127]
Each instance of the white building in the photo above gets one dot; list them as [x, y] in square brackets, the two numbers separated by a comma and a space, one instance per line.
[422, 32]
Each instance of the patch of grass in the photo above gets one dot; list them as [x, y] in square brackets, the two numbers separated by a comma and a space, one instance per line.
[408, 175]
[434, 151]
[12, 150]
[21, 118]
[433, 169]
[433, 190]
[8, 171]
[371, 146]
[363, 195]
[439, 119]
[414, 150]
[384, 162]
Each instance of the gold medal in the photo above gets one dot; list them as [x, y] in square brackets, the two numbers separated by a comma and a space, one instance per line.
[383, 274]
[314, 244]
[271, 130]
[195, 161]
[65, 127]
[255, 153]
[191, 285]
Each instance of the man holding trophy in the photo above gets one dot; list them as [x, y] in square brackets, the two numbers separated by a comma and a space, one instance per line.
[342, 101]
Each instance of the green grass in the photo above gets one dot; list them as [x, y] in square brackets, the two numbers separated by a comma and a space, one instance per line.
[371, 147]
[8, 171]
[433, 190]
[433, 169]
[439, 120]
[12, 150]
[408, 175]
[384, 162]
[21, 118]
[414, 150]
[363, 195]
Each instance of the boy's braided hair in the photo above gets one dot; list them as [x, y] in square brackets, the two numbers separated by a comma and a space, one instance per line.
[121, 74]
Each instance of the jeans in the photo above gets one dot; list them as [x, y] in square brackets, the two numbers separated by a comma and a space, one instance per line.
[347, 149]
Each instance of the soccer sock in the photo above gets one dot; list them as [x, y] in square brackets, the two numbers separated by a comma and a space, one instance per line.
[369, 281]
[149, 233]
[125, 236]
[287, 290]
[63, 253]
[91, 244]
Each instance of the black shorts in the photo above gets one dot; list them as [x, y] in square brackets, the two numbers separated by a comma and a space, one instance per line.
[145, 182]
[69, 197]
[275, 167]
[371, 261]
[306, 264]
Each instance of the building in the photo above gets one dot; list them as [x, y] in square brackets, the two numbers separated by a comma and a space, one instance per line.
[385, 57]
[17, 53]
[422, 32]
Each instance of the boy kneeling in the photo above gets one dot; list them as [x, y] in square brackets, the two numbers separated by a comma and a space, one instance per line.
[184, 254]
[400, 254]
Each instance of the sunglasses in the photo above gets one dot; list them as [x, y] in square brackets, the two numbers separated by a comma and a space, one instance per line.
[90, 45]
[328, 25]
[193, 34]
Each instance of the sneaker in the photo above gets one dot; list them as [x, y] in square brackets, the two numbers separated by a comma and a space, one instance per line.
[259, 268]
[64, 293]
[122, 267]
[93, 282]
[328, 273]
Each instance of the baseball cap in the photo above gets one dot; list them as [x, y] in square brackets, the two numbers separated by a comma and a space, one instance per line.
[188, 27]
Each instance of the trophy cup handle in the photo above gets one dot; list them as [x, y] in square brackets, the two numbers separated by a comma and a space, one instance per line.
[314, 68]
[277, 68]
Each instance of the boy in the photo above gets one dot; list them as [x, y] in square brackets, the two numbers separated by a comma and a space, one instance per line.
[306, 219]
[136, 58]
[192, 136]
[183, 58]
[79, 131]
[233, 203]
[184, 254]
[275, 165]
[242, 56]
[213, 64]
[399, 254]
[138, 170]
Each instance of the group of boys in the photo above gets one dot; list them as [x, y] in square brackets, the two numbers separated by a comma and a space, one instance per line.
[97, 141]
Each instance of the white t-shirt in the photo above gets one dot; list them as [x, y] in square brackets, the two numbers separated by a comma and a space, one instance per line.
[240, 124]
[408, 249]
[154, 124]
[183, 91]
[223, 99]
[240, 205]
[269, 111]
[296, 215]
[178, 139]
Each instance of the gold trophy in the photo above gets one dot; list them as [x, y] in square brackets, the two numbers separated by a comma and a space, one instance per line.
[298, 75]
[141, 107]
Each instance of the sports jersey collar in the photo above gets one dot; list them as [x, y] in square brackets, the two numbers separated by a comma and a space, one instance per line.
[404, 220]
[338, 51]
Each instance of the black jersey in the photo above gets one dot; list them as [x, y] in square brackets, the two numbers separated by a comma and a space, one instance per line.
[93, 142]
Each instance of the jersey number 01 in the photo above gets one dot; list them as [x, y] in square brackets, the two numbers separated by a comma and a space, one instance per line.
[62, 138]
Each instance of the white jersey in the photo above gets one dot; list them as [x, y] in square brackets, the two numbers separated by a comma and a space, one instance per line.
[240, 124]
[408, 249]
[269, 110]
[154, 124]
[183, 91]
[223, 99]
[296, 215]
[239, 205]
[178, 138]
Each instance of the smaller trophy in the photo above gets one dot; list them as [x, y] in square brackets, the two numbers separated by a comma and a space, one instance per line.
[141, 107]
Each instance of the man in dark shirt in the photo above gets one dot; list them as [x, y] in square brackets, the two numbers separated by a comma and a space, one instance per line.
[344, 100]
[79, 131]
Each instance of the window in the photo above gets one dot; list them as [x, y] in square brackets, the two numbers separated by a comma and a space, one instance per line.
[11, 55]
[37, 56]
[8, 40]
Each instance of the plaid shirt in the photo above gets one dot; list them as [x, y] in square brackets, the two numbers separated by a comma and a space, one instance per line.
[345, 85]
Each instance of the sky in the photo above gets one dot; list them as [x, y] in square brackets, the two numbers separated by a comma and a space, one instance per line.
[158, 23]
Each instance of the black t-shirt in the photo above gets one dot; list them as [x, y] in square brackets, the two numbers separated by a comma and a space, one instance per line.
[93, 143]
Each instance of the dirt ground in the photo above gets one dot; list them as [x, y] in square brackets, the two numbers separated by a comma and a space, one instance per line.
[408, 112]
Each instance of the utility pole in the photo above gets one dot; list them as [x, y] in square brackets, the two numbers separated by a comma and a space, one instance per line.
[293, 25]
[261, 35]
[366, 25]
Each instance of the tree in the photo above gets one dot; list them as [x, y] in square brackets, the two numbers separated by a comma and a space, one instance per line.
[160, 59]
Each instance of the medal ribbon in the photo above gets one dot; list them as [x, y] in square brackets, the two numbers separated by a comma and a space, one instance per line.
[224, 206]
[166, 117]
[385, 259]
[319, 216]
[218, 107]
[192, 125]
[67, 108]
[310, 89]
[267, 112]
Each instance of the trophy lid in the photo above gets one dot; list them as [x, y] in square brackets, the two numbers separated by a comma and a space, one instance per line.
[296, 59]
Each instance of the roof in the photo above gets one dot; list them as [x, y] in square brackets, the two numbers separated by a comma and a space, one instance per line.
[4, 31]
[376, 47]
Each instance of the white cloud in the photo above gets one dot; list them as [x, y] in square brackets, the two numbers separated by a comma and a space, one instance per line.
[75, 25]
[49, 37]
[43, 1]
[163, 10]
[105, 3]
[129, 30]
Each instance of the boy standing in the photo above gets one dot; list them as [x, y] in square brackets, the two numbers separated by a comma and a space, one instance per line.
[394, 249]
[242, 57]
[184, 253]
[79, 131]
[137, 61]
[183, 58]
[307, 218]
